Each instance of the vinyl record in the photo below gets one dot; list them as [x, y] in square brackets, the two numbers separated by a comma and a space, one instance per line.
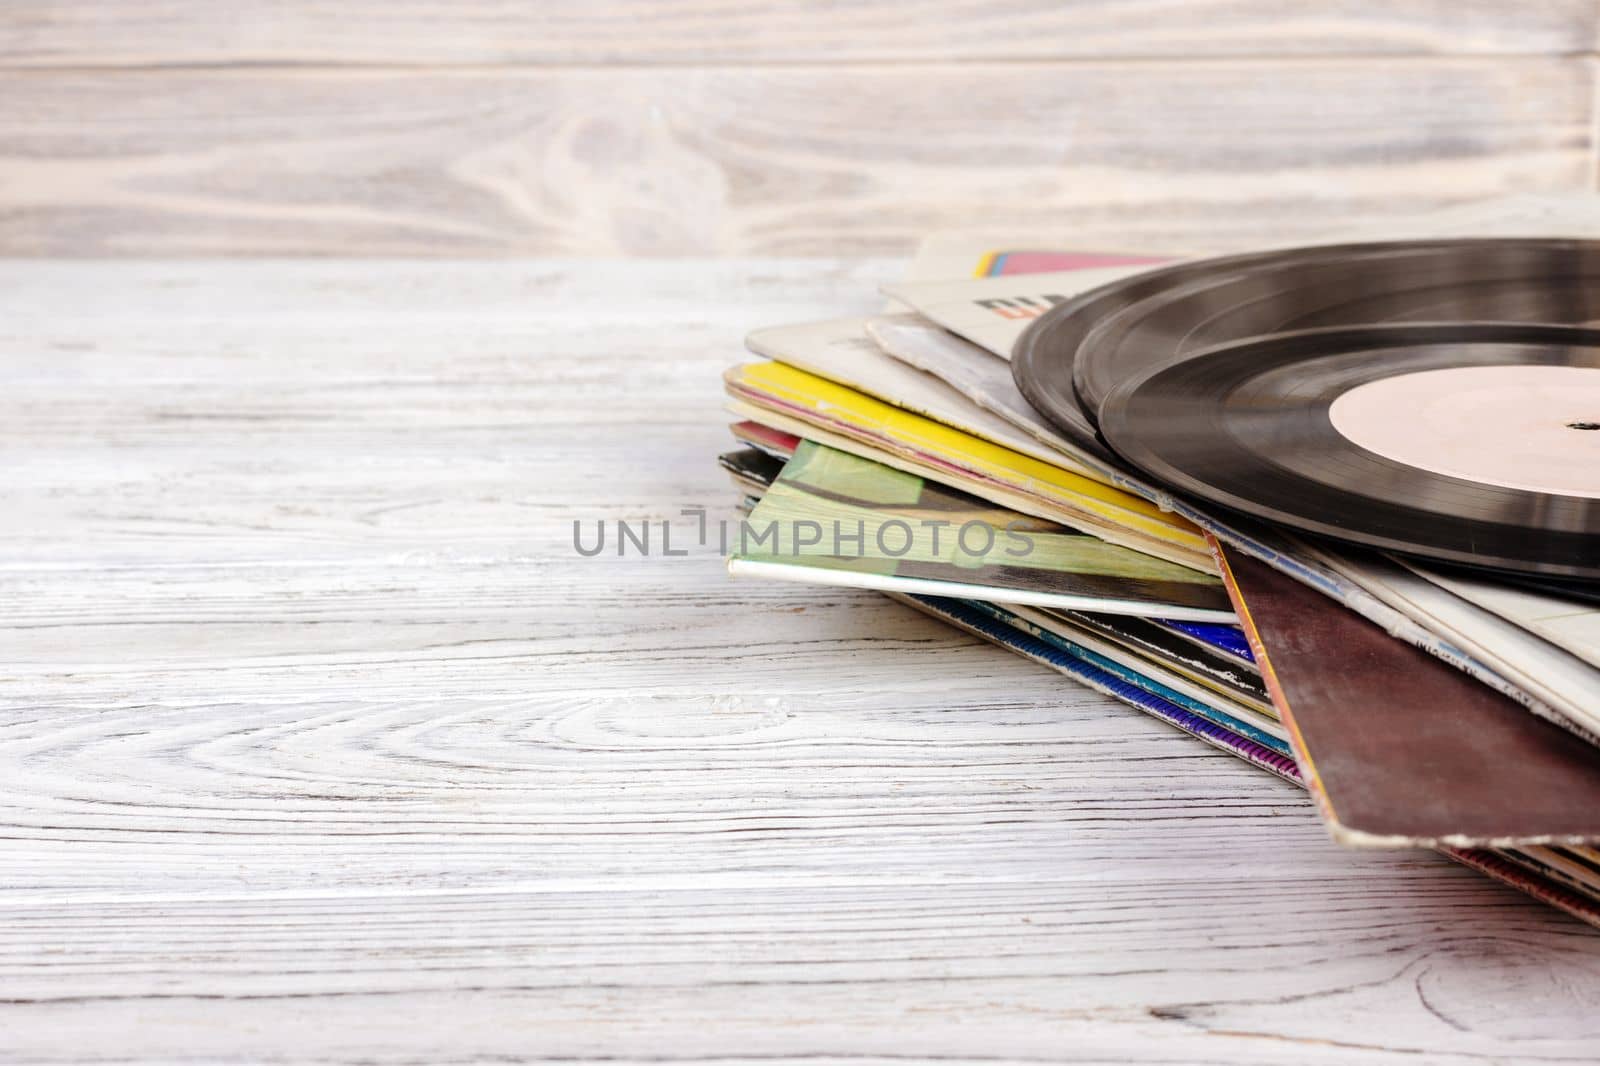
[1044, 356]
[1546, 281]
[1071, 357]
[1474, 444]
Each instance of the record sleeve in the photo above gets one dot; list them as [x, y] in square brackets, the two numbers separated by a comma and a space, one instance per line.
[837, 519]
[993, 628]
[953, 255]
[993, 312]
[808, 405]
[1558, 686]
[841, 351]
[1570, 622]
[775, 442]
[1398, 748]
[751, 468]
[980, 377]
[1228, 640]
[1153, 676]
[1199, 660]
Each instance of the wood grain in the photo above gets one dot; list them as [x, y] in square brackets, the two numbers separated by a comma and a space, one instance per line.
[781, 160]
[318, 742]
[167, 32]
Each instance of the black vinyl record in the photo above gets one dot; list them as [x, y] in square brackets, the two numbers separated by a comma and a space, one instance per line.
[1544, 281]
[1071, 357]
[1476, 444]
[1044, 356]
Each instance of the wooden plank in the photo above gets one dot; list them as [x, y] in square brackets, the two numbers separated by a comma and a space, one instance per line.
[166, 32]
[319, 743]
[897, 968]
[765, 161]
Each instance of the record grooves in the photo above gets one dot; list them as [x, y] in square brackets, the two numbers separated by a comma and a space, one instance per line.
[1043, 359]
[1431, 398]
[1069, 358]
[1248, 426]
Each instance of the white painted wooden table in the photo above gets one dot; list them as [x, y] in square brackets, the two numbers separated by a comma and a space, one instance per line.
[318, 742]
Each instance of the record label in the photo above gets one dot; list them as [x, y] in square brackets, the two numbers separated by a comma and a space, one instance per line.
[1535, 428]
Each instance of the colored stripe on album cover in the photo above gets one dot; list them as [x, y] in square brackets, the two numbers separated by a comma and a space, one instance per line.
[976, 621]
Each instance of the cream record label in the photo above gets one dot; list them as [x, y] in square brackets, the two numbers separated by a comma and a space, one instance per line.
[1535, 428]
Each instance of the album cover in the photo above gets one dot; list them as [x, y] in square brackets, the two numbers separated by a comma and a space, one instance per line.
[1573, 867]
[775, 442]
[993, 312]
[867, 525]
[1226, 640]
[840, 351]
[1154, 677]
[991, 626]
[1549, 681]
[1196, 659]
[976, 374]
[751, 468]
[947, 256]
[811, 406]
[1399, 748]
[1569, 622]
[1214, 654]
[1204, 653]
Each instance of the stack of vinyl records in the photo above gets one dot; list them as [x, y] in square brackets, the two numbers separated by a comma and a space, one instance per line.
[1334, 510]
